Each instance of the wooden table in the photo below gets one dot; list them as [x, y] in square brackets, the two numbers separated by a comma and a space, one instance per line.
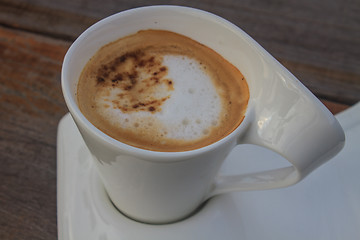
[318, 41]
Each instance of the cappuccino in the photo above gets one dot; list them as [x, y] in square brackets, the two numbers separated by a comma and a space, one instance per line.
[162, 91]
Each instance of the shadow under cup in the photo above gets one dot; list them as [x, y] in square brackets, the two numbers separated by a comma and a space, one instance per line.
[164, 187]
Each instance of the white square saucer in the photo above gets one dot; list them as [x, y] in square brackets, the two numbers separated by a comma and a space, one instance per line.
[326, 205]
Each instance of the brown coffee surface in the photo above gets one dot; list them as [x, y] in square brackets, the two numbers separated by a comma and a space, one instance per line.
[147, 90]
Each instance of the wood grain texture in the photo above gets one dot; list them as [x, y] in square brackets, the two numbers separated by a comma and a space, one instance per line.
[52, 22]
[31, 105]
[334, 107]
[317, 41]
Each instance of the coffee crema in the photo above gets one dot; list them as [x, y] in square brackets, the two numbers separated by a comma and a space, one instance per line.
[162, 91]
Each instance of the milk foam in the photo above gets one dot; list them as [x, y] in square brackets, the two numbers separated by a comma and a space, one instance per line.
[162, 91]
[190, 109]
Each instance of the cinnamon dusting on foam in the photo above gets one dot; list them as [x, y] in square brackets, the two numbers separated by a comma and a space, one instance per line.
[162, 91]
[137, 75]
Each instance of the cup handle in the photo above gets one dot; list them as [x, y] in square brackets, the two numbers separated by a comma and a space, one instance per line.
[301, 130]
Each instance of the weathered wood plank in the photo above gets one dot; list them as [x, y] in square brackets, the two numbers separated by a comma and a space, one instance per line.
[317, 41]
[52, 22]
[335, 85]
[31, 105]
[334, 107]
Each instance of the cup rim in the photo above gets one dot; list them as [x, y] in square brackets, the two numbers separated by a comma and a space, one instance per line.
[158, 155]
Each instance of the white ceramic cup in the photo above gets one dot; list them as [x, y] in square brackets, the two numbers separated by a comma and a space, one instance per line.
[163, 187]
